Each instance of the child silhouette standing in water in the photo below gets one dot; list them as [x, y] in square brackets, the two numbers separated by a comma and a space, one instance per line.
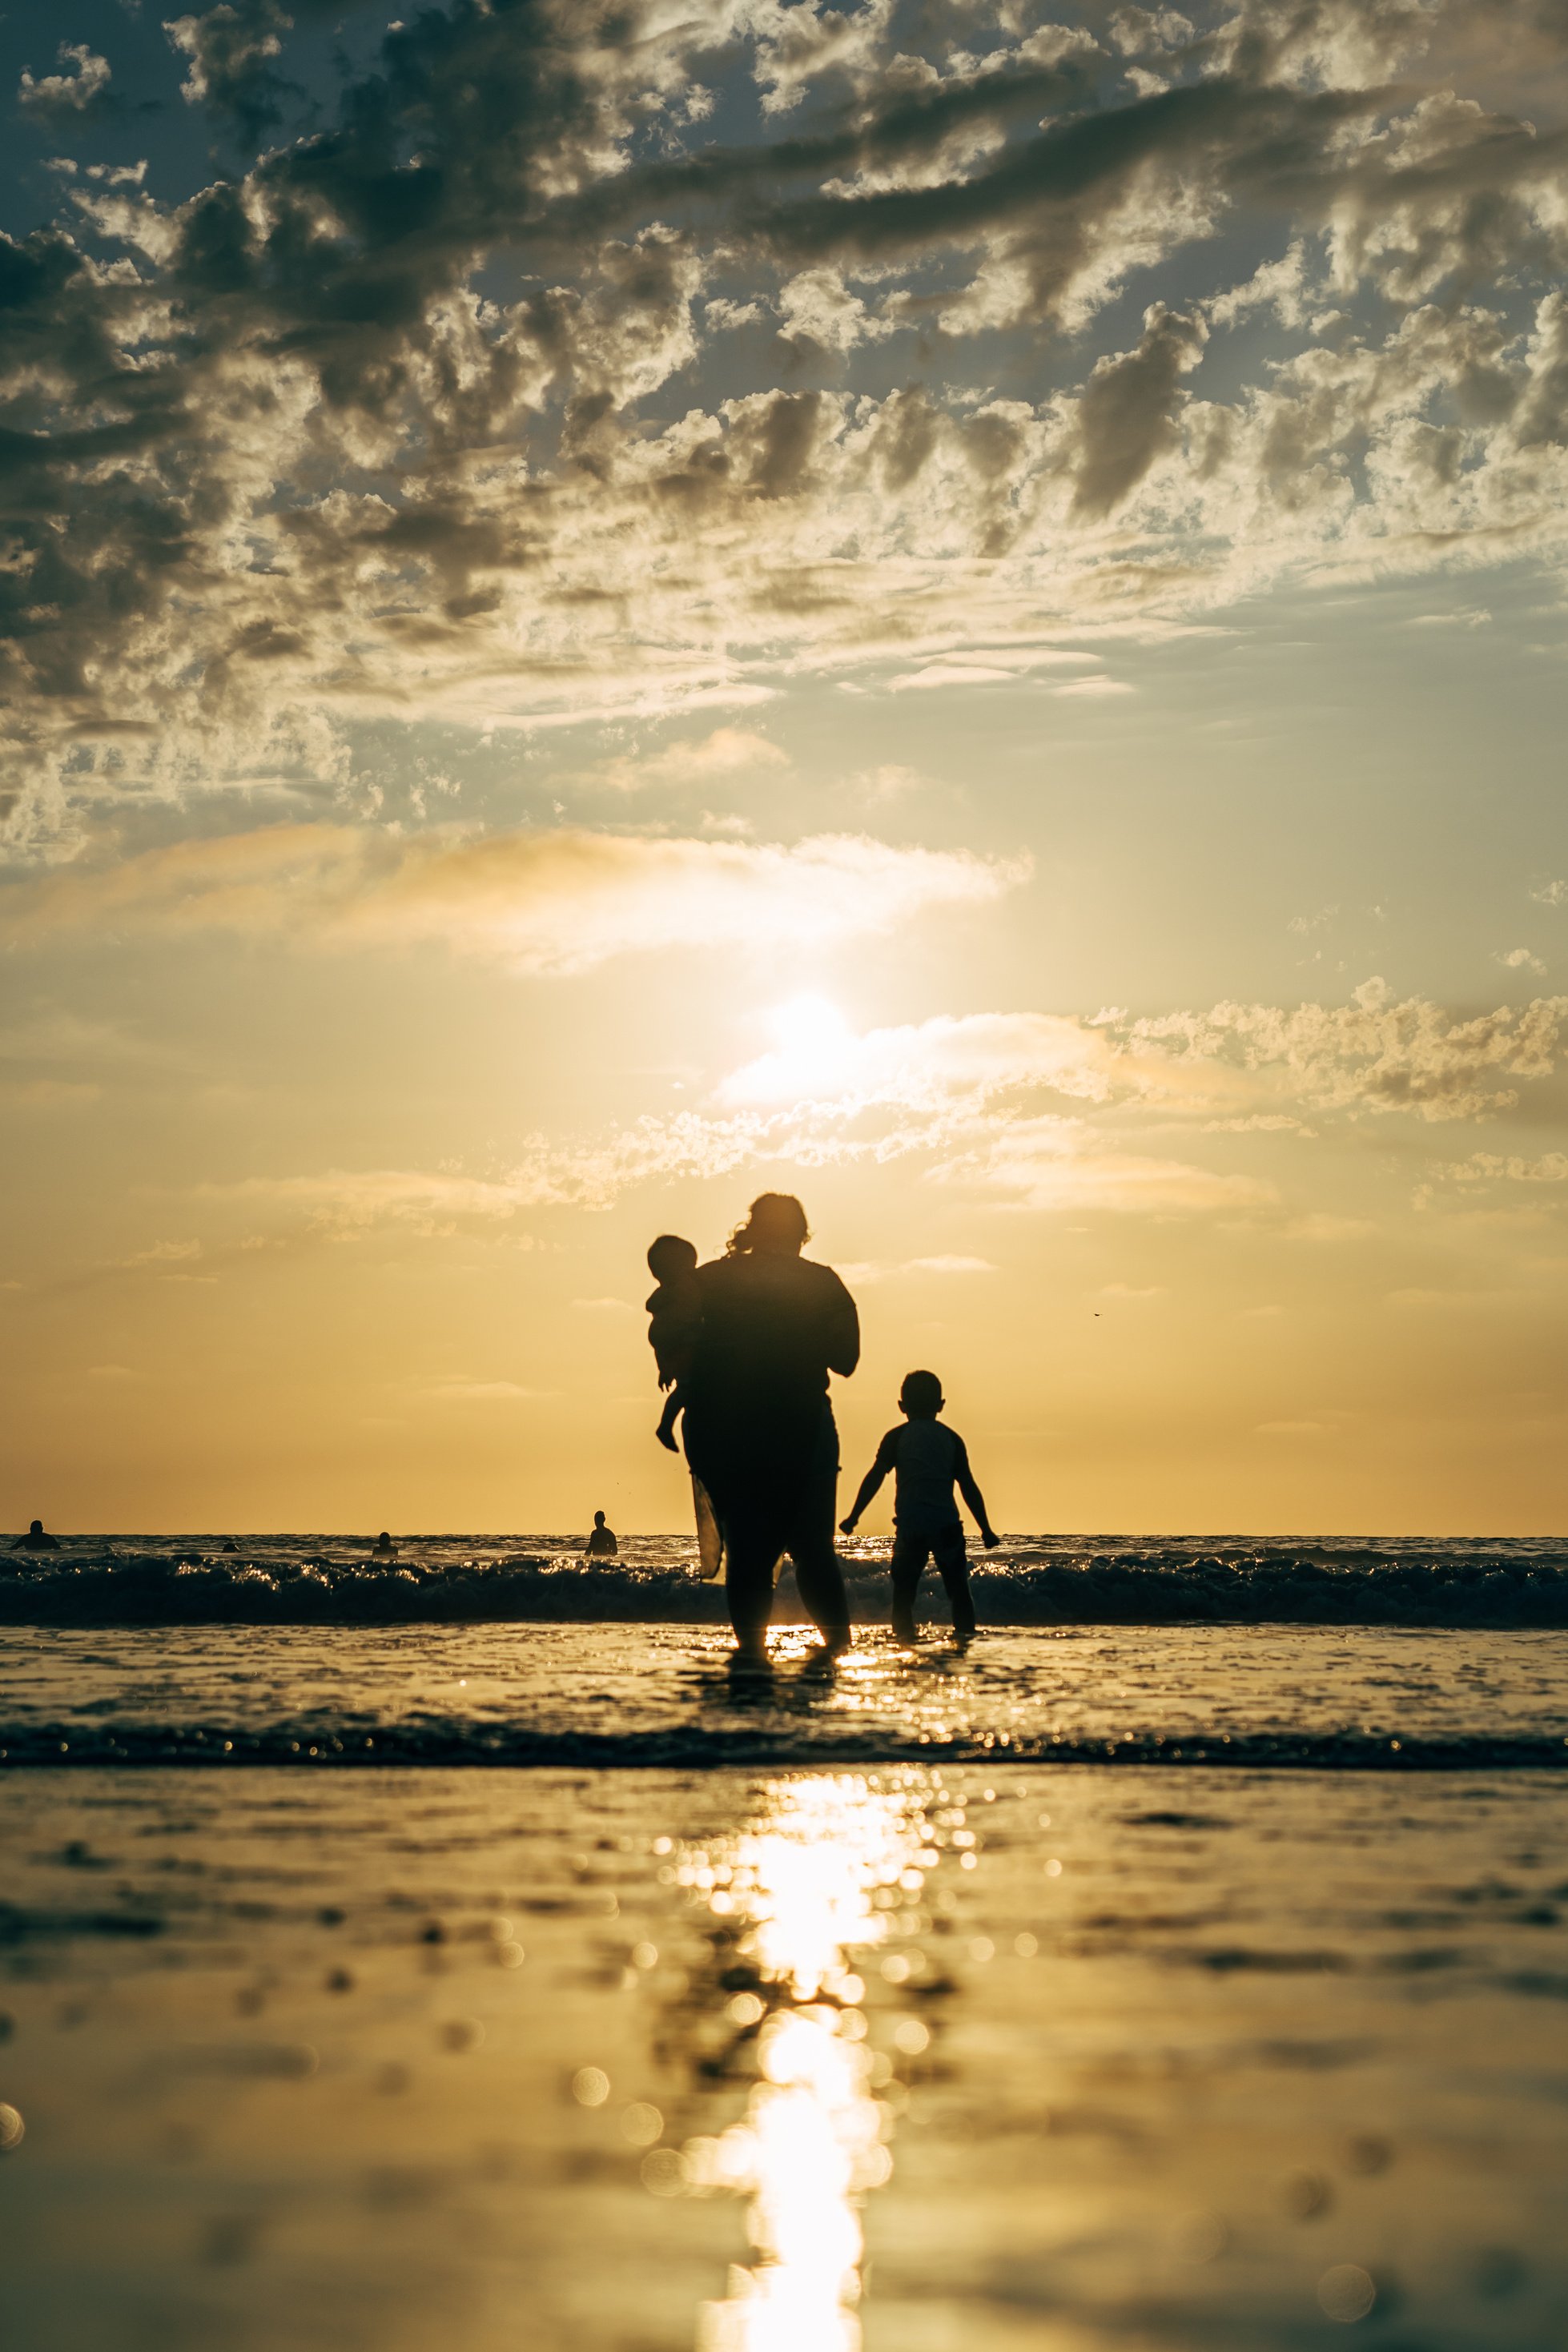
[926, 1460]
[673, 1313]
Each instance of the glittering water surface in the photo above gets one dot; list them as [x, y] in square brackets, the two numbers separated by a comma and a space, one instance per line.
[821, 2022]
[627, 1694]
[922, 2059]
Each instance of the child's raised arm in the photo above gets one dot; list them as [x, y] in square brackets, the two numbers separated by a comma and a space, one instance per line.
[974, 1497]
[887, 1457]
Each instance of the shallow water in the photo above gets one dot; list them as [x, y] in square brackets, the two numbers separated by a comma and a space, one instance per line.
[934, 2059]
[635, 1695]
[853, 2008]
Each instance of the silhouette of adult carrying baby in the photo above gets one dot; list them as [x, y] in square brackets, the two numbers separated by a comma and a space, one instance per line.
[760, 1432]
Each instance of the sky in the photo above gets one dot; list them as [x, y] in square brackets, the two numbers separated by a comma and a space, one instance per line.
[955, 609]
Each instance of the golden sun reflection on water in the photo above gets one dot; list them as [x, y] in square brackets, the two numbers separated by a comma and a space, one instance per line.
[801, 1887]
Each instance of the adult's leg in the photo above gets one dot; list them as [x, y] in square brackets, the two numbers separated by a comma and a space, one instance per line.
[819, 1579]
[909, 1566]
[952, 1564]
[753, 1542]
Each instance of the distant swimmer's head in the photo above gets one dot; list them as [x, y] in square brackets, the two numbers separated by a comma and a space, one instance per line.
[36, 1529]
[671, 1257]
[383, 1541]
[921, 1397]
[776, 1226]
[598, 1519]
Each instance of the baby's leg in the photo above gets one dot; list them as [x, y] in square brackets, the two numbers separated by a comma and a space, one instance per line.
[665, 1433]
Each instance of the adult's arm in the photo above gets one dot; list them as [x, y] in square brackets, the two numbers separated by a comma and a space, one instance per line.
[887, 1460]
[841, 1331]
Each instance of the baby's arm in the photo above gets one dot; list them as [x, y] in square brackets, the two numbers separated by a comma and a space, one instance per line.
[973, 1495]
[868, 1485]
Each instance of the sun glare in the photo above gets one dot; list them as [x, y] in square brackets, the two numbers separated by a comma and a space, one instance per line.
[811, 1058]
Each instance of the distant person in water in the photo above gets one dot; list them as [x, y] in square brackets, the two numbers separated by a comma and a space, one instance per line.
[759, 1429]
[926, 1460]
[35, 1539]
[384, 1548]
[602, 1544]
[673, 1313]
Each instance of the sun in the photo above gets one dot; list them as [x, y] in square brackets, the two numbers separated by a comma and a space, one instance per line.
[810, 1059]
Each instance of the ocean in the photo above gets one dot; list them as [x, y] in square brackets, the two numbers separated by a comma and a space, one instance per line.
[409, 1958]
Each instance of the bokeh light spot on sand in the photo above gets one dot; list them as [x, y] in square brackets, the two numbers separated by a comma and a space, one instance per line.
[12, 2128]
[1346, 2293]
[590, 2086]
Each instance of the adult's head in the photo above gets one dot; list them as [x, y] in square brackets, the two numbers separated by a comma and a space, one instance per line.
[776, 1226]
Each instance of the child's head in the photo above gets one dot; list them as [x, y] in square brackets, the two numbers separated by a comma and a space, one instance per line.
[921, 1397]
[670, 1258]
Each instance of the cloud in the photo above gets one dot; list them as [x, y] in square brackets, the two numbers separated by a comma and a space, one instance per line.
[1127, 412]
[1056, 1165]
[1520, 959]
[454, 1388]
[438, 409]
[345, 1202]
[79, 91]
[232, 49]
[1376, 1054]
[1552, 894]
[979, 1098]
[1486, 1168]
[536, 901]
[730, 754]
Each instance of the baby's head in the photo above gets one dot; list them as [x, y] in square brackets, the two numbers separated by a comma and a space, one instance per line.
[672, 1259]
[920, 1398]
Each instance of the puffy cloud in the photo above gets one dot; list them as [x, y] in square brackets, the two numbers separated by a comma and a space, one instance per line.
[1374, 1053]
[232, 50]
[1372, 1056]
[977, 1096]
[1486, 1168]
[78, 89]
[1127, 412]
[560, 901]
[425, 411]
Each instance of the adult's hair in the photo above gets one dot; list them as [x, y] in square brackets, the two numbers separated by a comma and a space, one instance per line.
[772, 1216]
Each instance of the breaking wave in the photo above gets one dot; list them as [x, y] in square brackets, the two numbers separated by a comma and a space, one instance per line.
[302, 1580]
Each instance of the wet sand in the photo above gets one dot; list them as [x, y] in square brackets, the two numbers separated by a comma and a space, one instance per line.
[939, 2058]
